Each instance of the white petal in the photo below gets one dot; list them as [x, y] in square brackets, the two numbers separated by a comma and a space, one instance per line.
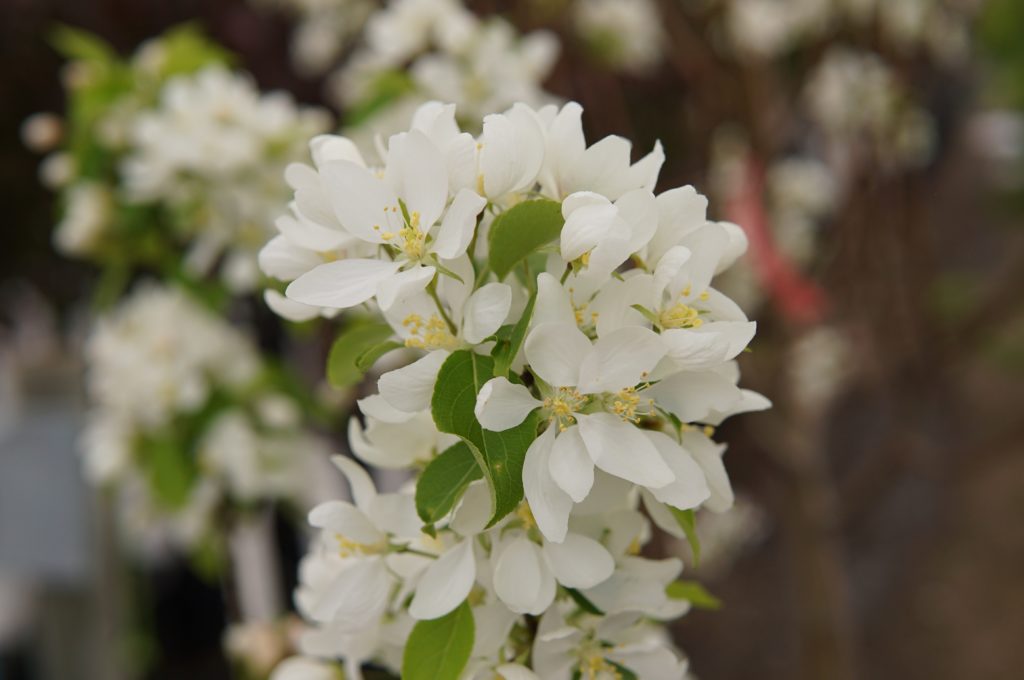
[511, 671]
[622, 450]
[474, 510]
[485, 311]
[361, 201]
[410, 388]
[691, 348]
[579, 562]
[669, 267]
[501, 404]
[613, 303]
[512, 151]
[458, 225]
[403, 285]
[693, 395]
[341, 284]
[378, 408]
[708, 455]
[357, 595]
[681, 211]
[640, 211]
[522, 578]
[553, 304]
[690, 487]
[289, 309]
[621, 359]
[555, 352]
[285, 261]
[738, 244]
[749, 402]
[549, 504]
[326, 148]
[588, 226]
[347, 520]
[418, 174]
[661, 515]
[311, 235]
[570, 465]
[363, 490]
[445, 583]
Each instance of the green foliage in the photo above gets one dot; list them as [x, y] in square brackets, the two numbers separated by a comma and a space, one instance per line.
[358, 339]
[368, 358]
[170, 468]
[582, 602]
[444, 481]
[440, 649]
[694, 593]
[386, 89]
[505, 350]
[186, 50]
[499, 454]
[522, 230]
[687, 519]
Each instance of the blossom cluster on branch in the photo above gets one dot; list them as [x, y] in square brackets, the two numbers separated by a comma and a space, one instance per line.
[571, 361]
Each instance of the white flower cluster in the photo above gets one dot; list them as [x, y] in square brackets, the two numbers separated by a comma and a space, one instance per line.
[448, 53]
[862, 107]
[627, 34]
[564, 314]
[215, 148]
[323, 29]
[174, 395]
[767, 28]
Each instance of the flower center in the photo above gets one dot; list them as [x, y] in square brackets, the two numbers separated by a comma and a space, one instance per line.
[680, 315]
[596, 667]
[349, 548]
[410, 240]
[628, 405]
[430, 334]
[561, 406]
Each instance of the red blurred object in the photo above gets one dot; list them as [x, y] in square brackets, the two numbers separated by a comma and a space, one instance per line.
[800, 299]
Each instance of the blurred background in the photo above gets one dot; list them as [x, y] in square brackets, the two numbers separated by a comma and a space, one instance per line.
[871, 150]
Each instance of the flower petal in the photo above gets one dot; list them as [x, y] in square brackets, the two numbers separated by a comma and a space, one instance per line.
[570, 465]
[410, 388]
[708, 455]
[458, 225]
[579, 562]
[522, 578]
[283, 260]
[485, 311]
[553, 304]
[341, 284]
[501, 404]
[445, 583]
[417, 173]
[693, 395]
[549, 504]
[363, 490]
[621, 359]
[362, 203]
[622, 450]
[555, 352]
[289, 309]
[356, 595]
[347, 520]
[403, 285]
[690, 487]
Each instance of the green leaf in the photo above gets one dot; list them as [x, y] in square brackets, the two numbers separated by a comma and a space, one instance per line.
[694, 593]
[499, 454]
[169, 469]
[444, 481]
[624, 673]
[386, 89]
[439, 649]
[74, 43]
[521, 230]
[505, 352]
[687, 519]
[354, 341]
[369, 357]
[582, 602]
